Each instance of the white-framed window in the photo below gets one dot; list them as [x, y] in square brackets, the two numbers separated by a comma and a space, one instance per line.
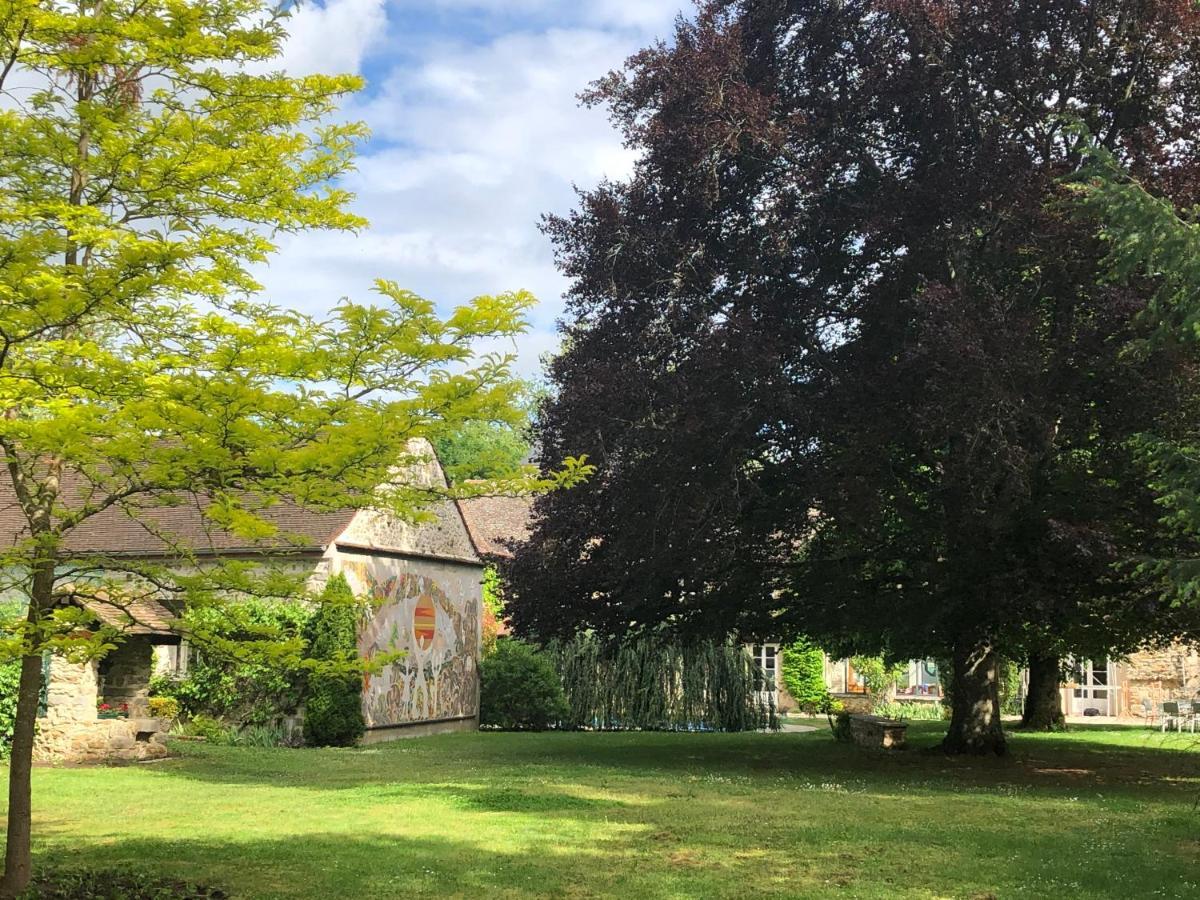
[766, 656]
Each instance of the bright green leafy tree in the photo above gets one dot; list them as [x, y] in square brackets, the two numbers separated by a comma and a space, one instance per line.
[1150, 238]
[152, 161]
[479, 449]
[803, 674]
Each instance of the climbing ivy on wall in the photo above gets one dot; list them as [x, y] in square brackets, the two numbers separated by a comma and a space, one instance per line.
[803, 673]
[654, 683]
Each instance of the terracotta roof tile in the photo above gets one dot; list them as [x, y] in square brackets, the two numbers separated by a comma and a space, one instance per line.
[496, 523]
[115, 532]
[140, 616]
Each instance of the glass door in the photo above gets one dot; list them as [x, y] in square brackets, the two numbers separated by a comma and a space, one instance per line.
[1093, 688]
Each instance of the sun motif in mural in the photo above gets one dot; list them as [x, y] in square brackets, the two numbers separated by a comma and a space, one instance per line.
[438, 634]
[424, 622]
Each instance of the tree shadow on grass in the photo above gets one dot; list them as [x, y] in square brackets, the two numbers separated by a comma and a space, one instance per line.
[861, 858]
[1052, 764]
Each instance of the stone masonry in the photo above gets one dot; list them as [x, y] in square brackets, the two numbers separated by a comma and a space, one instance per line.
[1170, 673]
[71, 730]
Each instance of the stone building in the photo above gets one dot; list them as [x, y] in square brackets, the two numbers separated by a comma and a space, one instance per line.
[424, 580]
[1134, 685]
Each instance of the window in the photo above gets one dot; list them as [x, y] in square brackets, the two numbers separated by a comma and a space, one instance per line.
[841, 678]
[921, 680]
[766, 656]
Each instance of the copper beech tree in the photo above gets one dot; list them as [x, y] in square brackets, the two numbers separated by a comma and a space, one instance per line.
[149, 156]
[846, 355]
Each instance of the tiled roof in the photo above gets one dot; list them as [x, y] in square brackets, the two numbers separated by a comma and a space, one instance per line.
[115, 532]
[140, 616]
[495, 523]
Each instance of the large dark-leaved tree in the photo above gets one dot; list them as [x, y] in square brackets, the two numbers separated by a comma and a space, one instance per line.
[846, 356]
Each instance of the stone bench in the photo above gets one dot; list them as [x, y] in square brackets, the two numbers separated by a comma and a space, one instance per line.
[878, 732]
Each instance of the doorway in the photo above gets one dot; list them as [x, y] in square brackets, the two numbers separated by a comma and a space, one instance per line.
[1094, 685]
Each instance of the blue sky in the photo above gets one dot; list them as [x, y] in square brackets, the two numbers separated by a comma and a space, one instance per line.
[476, 133]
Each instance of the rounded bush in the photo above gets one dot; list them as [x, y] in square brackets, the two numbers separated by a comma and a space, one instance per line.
[520, 691]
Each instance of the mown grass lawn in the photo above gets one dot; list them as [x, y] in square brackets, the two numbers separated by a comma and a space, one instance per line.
[1096, 813]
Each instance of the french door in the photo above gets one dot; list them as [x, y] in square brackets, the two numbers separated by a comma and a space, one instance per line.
[1094, 688]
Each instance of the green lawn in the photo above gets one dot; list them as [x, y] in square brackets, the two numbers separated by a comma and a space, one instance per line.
[1097, 813]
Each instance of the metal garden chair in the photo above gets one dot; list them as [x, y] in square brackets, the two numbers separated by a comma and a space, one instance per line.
[1170, 715]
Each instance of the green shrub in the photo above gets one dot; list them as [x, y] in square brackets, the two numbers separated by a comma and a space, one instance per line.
[214, 731]
[803, 674]
[877, 675]
[262, 736]
[164, 707]
[909, 709]
[520, 691]
[840, 726]
[333, 706]
[10, 679]
[240, 675]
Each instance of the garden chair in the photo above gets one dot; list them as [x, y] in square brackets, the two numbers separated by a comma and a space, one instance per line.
[1187, 716]
[1149, 712]
[1170, 715]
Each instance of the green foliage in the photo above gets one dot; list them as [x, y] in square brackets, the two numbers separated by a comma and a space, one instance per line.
[10, 677]
[333, 706]
[1010, 688]
[909, 709]
[519, 689]
[493, 609]
[878, 676]
[839, 725]
[1150, 240]
[211, 729]
[652, 682]
[115, 884]
[803, 673]
[164, 707]
[261, 736]
[157, 154]
[249, 672]
[482, 450]
[158, 151]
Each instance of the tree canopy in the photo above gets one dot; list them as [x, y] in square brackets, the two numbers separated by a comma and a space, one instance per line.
[150, 155]
[846, 357]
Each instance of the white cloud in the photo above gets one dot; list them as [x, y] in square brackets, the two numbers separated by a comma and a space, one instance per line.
[333, 38]
[640, 14]
[474, 139]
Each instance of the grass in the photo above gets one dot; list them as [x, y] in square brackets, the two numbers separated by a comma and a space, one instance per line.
[1095, 813]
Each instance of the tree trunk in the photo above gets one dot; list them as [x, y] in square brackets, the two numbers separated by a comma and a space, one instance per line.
[1043, 704]
[975, 702]
[18, 863]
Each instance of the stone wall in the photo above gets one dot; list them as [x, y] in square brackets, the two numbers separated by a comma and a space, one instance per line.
[101, 740]
[125, 674]
[71, 732]
[1170, 673]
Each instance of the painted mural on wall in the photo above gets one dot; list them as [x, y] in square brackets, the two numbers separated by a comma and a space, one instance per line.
[439, 632]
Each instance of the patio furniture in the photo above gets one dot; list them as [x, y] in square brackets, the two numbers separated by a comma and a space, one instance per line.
[1170, 715]
[1187, 716]
[1149, 712]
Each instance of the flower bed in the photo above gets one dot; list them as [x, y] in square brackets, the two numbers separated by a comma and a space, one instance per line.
[112, 711]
